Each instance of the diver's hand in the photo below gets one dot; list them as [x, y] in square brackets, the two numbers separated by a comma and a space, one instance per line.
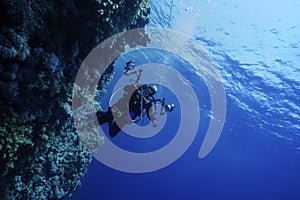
[154, 122]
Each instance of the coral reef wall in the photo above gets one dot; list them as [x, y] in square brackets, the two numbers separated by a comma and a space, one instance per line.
[42, 44]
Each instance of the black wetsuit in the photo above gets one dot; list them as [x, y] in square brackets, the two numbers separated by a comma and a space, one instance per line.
[134, 107]
[135, 103]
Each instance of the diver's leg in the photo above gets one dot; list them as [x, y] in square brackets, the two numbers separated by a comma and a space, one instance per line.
[114, 129]
[104, 117]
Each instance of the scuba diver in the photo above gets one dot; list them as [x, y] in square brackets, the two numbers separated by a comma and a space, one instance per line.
[142, 98]
[130, 108]
[129, 66]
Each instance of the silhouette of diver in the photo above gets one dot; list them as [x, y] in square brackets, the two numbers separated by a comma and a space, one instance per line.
[126, 110]
[129, 66]
[116, 115]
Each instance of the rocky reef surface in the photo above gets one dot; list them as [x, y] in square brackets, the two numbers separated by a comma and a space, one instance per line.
[42, 44]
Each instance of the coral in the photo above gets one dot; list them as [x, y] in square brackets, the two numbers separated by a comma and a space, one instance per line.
[16, 138]
[13, 45]
[51, 62]
[114, 11]
[42, 156]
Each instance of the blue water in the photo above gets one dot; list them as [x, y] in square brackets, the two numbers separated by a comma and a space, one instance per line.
[255, 46]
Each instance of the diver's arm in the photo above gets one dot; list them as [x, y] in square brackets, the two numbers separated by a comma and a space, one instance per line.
[150, 114]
